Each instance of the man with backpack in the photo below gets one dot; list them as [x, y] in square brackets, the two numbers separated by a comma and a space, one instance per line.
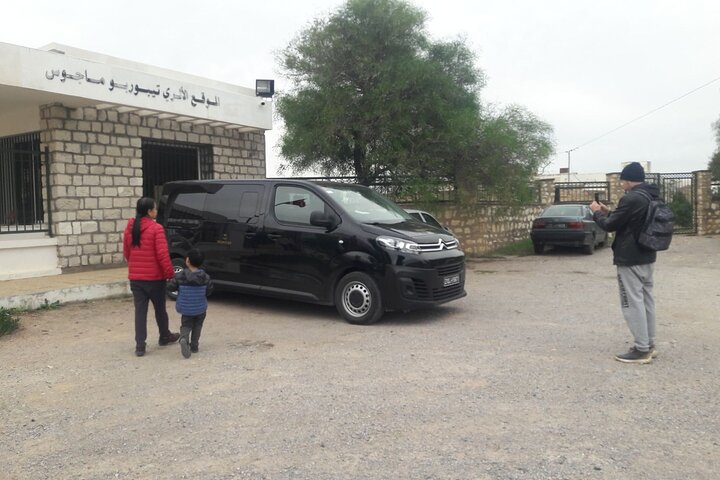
[635, 263]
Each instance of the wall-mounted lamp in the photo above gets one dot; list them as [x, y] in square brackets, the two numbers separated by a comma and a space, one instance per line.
[264, 88]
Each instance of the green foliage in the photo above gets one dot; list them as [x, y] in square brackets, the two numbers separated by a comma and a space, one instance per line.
[49, 306]
[8, 321]
[372, 96]
[682, 209]
[520, 248]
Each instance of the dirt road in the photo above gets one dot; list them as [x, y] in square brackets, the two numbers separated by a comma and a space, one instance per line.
[516, 381]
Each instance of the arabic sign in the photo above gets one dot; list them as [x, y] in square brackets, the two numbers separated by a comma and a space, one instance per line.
[180, 94]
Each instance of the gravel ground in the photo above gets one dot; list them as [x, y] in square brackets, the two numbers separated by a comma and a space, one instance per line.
[515, 381]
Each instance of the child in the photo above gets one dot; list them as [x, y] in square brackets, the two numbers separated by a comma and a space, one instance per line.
[193, 286]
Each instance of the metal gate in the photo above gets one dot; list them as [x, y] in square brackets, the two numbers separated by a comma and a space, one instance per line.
[678, 191]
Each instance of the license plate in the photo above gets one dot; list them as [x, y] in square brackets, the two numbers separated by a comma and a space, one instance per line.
[451, 280]
[559, 225]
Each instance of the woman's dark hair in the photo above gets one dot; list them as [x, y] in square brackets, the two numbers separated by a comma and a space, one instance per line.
[144, 205]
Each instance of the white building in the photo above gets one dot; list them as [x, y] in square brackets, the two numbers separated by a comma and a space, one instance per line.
[84, 135]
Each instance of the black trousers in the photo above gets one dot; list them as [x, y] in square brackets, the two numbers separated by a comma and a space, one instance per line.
[145, 291]
[192, 324]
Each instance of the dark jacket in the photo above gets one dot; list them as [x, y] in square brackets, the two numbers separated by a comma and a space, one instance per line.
[627, 220]
[193, 289]
[151, 260]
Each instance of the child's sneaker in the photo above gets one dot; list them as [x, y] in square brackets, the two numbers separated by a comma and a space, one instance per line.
[184, 347]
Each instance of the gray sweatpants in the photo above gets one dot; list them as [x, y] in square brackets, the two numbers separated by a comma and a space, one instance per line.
[637, 303]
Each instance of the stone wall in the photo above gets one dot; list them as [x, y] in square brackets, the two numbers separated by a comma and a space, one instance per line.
[483, 228]
[96, 172]
[707, 208]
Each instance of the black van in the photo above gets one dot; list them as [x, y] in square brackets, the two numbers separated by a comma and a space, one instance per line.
[327, 243]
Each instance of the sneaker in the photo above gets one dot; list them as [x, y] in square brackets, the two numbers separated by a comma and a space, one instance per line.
[194, 349]
[172, 338]
[184, 347]
[634, 356]
[139, 350]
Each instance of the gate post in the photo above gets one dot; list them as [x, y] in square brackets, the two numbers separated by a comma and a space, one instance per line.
[703, 182]
[546, 187]
[615, 191]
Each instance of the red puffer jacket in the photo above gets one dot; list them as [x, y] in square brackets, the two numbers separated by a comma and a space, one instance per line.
[151, 260]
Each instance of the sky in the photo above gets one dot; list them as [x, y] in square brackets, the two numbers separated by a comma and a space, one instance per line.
[618, 80]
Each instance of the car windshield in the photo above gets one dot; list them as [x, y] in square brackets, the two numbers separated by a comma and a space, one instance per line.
[365, 205]
[563, 211]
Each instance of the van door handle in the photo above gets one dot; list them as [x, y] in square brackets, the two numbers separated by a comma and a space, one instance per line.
[274, 236]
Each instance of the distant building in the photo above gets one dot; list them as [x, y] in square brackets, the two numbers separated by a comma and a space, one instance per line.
[562, 175]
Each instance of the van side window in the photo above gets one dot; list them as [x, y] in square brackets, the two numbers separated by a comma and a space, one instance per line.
[295, 204]
[248, 207]
[233, 203]
[187, 209]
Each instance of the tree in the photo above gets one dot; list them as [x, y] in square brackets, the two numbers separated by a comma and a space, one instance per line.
[373, 96]
[714, 165]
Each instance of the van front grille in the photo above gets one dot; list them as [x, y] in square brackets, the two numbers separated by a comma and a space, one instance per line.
[438, 246]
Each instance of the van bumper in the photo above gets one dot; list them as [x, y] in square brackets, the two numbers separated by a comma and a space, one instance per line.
[411, 288]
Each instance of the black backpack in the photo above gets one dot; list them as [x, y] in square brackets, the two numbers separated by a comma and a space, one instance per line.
[656, 232]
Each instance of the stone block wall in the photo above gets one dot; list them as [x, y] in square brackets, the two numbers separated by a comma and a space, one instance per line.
[707, 208]
[96, 172]
[483, 228]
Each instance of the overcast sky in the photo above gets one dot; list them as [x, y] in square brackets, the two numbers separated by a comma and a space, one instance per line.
[586, 68]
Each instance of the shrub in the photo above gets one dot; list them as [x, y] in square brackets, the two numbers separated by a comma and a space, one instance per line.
[682, 209]
[8, 321]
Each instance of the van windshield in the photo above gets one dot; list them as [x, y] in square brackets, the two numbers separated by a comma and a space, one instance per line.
[366, 205]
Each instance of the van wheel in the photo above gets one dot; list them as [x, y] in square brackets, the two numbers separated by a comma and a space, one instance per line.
[178, 265]
[358, 299]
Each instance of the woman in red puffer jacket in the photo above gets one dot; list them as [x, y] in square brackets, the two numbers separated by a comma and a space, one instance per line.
[146, 251]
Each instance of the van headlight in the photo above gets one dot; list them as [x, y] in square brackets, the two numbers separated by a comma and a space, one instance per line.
[398, 244]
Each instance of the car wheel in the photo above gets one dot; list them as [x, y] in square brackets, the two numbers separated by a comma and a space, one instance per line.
[589, 249]
[539, 248]
[178, 265]
[358, 299]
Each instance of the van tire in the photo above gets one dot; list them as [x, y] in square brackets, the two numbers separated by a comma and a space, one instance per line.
[178, 266]
[358, 299]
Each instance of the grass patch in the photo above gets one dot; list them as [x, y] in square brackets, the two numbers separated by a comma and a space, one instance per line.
[8, 321]
[520, 248]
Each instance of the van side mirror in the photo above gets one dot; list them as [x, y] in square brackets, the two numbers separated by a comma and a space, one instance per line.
[322, 219]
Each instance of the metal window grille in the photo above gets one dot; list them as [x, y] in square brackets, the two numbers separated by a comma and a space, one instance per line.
[165, 161]
[21, 197]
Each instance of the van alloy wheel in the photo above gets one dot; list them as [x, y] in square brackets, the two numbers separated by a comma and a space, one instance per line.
[178, 266]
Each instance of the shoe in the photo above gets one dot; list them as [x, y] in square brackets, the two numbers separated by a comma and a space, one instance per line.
[172, 338]
[634, 356]
[194, 349]
[140, 350]
[185, 347]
